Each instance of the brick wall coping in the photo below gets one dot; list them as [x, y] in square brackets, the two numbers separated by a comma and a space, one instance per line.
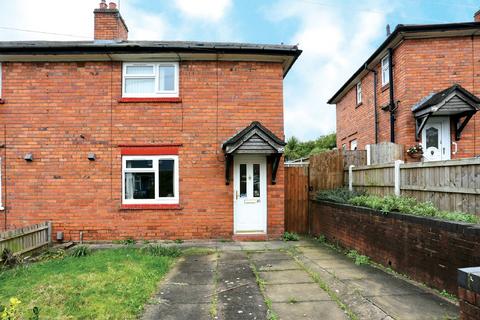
[452, 226]
[469, 278]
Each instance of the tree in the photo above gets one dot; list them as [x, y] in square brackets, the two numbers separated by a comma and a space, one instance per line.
[295, 149]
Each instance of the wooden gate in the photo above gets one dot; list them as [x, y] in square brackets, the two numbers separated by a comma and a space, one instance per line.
[296, 199]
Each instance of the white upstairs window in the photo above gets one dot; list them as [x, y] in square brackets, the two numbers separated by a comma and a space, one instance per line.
[385, 70]
[359, 92]
[150, 80]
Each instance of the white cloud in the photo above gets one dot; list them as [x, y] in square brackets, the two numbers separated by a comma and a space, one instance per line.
[204, 9]
[335, 40]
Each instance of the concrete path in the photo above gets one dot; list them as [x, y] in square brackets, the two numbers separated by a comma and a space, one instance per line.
[297, 280]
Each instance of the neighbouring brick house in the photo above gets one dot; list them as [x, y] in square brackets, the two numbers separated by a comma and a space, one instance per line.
[144, 139]
[421, 86]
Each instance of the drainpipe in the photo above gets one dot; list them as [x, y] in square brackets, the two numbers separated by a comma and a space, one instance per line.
[375, 125]
[392, 100]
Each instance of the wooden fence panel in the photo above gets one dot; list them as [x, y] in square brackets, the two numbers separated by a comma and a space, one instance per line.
[354, 157]
[385, 152]
[26, 239]
[326, 170]
[452, 185]
[296, 199]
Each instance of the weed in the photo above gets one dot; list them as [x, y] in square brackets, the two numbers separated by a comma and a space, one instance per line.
[9, 259]
[80, 251]
[448, 295]
[178, 241]
[271, 315]
[292, 300]
[160, 251]
[290, 236]
[359, 258]
[128, 241]
[321, 238]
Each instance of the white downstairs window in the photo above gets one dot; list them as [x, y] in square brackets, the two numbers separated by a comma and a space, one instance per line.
[150, 80]
[150, 179]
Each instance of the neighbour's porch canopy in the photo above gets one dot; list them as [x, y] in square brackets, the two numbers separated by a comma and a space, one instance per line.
[254, 139]
[455, 102]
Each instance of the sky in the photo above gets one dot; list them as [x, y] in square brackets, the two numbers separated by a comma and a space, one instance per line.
[336, 36]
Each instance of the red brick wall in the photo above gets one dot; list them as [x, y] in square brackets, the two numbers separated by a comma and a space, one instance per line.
[421, 66]
[427, 250]
[469, 304]
[62, 111]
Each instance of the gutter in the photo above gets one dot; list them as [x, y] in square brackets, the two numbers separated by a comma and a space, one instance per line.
[391, 106]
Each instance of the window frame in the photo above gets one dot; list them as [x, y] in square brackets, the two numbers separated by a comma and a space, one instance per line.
[359, 92]
[353, 142]
[155, 170]
[157, 93]
[385, 65]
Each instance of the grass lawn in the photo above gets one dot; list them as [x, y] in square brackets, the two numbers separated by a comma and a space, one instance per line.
[108, 284]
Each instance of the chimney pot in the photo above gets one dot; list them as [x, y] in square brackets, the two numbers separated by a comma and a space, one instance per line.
[112, 6]
[103, 4]
[476, 16]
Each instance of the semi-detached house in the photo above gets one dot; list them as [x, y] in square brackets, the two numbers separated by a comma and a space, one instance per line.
[114, 138]
[421, 86]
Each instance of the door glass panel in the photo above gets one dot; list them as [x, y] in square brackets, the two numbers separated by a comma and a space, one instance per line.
[139, 185]
[432, 137]
[243, 180]
[165, 178]
[143, 164]
[256, 180]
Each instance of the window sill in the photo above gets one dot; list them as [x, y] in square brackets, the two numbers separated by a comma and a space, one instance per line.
[151, 207]
[385, 87]
[359, 104]
[140, 100]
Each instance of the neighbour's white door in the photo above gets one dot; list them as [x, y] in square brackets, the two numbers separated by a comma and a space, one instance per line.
[250, 194]
[436, 139]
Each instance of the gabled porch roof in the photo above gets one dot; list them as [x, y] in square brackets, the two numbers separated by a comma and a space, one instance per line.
[455, 102]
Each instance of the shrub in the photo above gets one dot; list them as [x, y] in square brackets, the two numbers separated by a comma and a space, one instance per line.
[129, 241]
[158, 250]
[410, 206]
[80, 251]
[8, 259]
[340, 195]
[290, 236]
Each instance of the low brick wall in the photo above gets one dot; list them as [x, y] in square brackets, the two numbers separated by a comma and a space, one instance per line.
[427, 250]
[469, 293]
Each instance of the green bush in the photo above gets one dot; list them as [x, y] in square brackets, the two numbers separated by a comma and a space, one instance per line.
[410, 206]
[158, 250]
[340, 195]
[359, 258]
[80, 251]
[290, 236]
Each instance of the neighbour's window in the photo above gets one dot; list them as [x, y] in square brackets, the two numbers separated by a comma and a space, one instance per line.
[150, 179]
[359, 92]
[385, 70]
[150, 79]
[353, 144]
[344, 146]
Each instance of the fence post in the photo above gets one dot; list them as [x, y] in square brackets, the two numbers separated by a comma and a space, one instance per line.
[369, 155]
[350, 177]
[397, 177]
[49, 232]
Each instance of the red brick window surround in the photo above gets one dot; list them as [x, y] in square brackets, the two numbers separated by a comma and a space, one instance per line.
[150, 177]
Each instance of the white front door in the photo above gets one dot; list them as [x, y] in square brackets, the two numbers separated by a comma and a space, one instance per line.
[436, 139]
[250, 194]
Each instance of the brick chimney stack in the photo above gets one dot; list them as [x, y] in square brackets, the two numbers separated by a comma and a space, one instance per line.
[476, 16]
[109, 24]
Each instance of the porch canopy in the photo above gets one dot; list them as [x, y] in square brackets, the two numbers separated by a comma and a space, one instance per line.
[254, 139]
[455, 102]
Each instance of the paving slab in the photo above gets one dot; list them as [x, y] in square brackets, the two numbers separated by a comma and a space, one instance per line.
[279, 265]
[285, 277]
[300, 292]
[269, 256]
[308, 310]
[239, 296]
[187, 311]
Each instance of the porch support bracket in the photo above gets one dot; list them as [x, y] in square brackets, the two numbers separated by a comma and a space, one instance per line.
[275, 163]
[228, 164]
[460, 125]
[419, 125]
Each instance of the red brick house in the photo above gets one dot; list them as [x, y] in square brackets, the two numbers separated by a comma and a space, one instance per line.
[144, 139]
[421, 86]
